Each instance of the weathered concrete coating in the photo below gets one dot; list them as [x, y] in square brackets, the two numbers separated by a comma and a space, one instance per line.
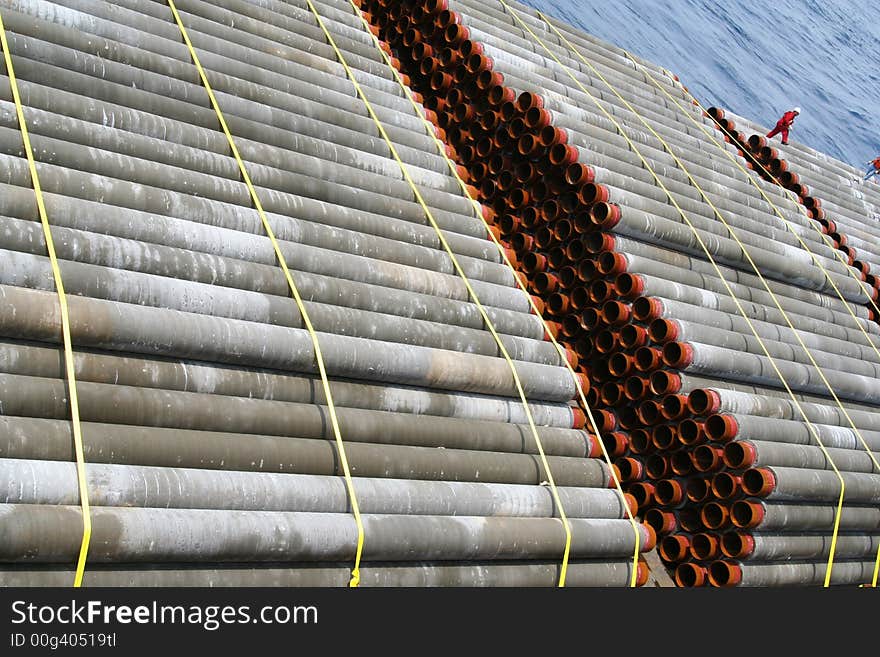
[202, 412]
[670, 351]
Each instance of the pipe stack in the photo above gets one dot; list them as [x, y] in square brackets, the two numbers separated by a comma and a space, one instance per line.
[812, 179]
[650, 318]
[209, 454]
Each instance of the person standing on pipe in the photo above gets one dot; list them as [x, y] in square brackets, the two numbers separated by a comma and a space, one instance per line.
[874, 167]
[784, 124]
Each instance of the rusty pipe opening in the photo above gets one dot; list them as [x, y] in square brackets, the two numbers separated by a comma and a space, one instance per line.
[611, 263]
[544, 238]
[630, 469]
[600, 291]
[705, 546]
[558, 304]
[615, 443]
[663, 437]
[533, 262]
[593, 192]
[758, 482]
[703, 401]
[571, 327]
[674, 547]
[662, 522]
[649, 412]
[635, 387]
[505, 181]
[747, 514]
[627, 417]
[620, 364]
[643, 492]
[633, 336]
[737, 545]
[530, 216]
[568, 277]
[517, 198]
[662, 382]
[556, 257]
[498, 163]
[677, 355]
[739, 455]
[611, 393]
[537, 118]
[528, 100]
[590, 319]
[669, 492]
[551, 135]
[706, 458]
[509, 225]
[647, 309]
[563, 155]
[715, 515]
[723, 574]
[640, 441]
[575, 251]
[726, 485]
[674, 406]
[681, 464]
[614, 312]
[698, 489]
[540, 191]
[524, 172]
[721, 427]
[690, 575]
[583, 346]
[546, 283]
[587, 270]
[579, 174]
[657, 466]
[629, 286]
[691, 432]
[488, 188]
[605, 342]
[663, 330]
[453, 33]
[648, 359]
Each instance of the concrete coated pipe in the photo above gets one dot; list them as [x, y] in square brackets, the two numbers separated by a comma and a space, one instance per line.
[799, 484]
[128, 444]
[728, 426]
[718, 399]
[150, 407]
[51, 482]
[44, 533]
[96, 282]
[727, 363]
[756, 453]
[791, 547]
[174, 263]
[282, 210]
[732, 573]
[247, 245]
[144, 330]
[190, 376]
[531, 573]
[779, 516]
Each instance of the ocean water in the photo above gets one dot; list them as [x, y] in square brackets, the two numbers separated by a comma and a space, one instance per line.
[758, 62]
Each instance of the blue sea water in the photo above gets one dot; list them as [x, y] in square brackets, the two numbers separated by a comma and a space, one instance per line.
[758, 59]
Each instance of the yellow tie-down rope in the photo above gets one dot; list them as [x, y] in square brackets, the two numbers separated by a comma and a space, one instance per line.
[65, 318]
[478, 212]
[488, 322]
[699, 239]
[331, 408]
[789, 225]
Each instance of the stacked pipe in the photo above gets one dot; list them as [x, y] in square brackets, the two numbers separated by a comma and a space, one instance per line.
[803, 175]
[653, 321]
[209, 453]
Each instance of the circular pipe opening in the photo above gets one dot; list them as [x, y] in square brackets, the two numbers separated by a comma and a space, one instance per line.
[649, 412]
[681, 464]
[633, 337]
[737, 456]
[697, 489]
[646, 309]
[714, 515]
[605, 342]
[668, 492]
[629, 285]
[647, 358]
[689, 519]
[673, 406]
[746, 514]
[706, 458]
[725, 485]
[758, 482]
[663, 436]
[723, 574]
[662, 522]
[635, 387]
[662, 330]
[674, 547]
[627, 417]
[721, 428]
[704, 546]
[701, 402]
[640, 441]
[690, 575]
[611, 393]
[656, 466]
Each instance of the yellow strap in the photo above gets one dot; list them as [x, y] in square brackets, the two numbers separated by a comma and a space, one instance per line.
[334, 421]
[65, 318]
[429, 215]
[478, 212]
[790, 226]
[699, 239]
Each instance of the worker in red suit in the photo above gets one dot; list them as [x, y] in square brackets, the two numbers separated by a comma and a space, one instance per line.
[783, 125]
[874, 168]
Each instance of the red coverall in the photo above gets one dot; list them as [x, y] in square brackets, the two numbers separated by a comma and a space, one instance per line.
[782, 125]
